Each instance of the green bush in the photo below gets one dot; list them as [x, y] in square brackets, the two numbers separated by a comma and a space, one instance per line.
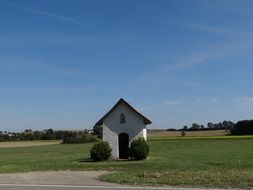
[139, 149]
[79, 139]
[100, 151]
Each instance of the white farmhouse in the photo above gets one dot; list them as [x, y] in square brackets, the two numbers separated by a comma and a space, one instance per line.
[121, 125]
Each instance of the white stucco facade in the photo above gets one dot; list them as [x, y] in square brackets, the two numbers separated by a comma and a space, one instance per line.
[134, 125]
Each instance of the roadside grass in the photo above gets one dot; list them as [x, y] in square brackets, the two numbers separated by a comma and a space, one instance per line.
[191, 162]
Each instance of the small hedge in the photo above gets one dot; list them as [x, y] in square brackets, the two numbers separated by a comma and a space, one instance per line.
[80, 139]
[139, 149]
[101, 151]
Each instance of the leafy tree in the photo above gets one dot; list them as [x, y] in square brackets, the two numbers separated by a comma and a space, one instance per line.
[210, 125]
[195, 127]
[228, 125]
[185, 128]
[98, 130]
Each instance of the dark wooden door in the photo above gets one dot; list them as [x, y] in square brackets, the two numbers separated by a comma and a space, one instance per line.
[123, 145]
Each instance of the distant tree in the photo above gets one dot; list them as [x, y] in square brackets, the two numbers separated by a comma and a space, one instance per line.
[50, 131]
[98, 130]
[28, 136]
[220, 125]
[185, 128]
[49, 135]
[195, 127]
[210, 125]
[228, 125]
[182, 133]
[37, 135]
[216, 126]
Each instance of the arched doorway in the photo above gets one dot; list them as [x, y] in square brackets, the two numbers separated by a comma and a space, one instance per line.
[123, 145]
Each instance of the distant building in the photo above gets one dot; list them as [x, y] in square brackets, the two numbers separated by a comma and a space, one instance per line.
[121, 125]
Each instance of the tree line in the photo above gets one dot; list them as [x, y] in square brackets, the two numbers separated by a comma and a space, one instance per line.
[225, 125]
[243, 127]
[47, 134]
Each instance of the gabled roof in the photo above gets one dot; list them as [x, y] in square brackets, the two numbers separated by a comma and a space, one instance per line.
[145, 120]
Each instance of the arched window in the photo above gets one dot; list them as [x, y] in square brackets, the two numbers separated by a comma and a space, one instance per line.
[122, 118]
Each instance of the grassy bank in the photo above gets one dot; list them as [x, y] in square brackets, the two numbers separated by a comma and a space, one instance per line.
[208, 162]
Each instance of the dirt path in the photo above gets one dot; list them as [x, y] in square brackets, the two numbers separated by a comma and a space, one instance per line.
[55, 178]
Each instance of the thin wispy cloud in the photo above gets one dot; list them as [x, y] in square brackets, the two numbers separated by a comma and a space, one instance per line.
[181, 62]
[245, 32]
[214, 100]
[244, 101]
[46, 13]
[215, 30]
[234, 7]
[161, 105]
[196, 58]
[193, 59]
[55, 70]
[189, 83]
[172, 103]
[9, 64]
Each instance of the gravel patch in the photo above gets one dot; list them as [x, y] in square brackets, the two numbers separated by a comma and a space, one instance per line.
[55, 178]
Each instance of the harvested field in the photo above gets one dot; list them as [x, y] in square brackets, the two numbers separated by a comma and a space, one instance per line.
[160, 133]
[27, 143]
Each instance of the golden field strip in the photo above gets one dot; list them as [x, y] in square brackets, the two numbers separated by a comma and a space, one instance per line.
[27, 143]
[211, 133]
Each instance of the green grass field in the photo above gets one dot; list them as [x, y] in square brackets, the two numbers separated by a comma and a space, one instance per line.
[186, 162]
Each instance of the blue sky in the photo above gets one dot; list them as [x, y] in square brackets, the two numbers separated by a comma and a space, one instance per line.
[64, 63]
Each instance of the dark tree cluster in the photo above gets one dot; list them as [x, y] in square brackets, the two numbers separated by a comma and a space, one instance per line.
[244, 127]
[98, 131]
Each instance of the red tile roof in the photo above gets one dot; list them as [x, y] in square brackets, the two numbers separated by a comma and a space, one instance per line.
[145, 120]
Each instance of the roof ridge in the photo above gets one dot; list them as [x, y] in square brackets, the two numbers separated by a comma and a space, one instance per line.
[145, 119]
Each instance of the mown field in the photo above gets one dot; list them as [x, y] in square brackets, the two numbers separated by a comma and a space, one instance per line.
[186, 162]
